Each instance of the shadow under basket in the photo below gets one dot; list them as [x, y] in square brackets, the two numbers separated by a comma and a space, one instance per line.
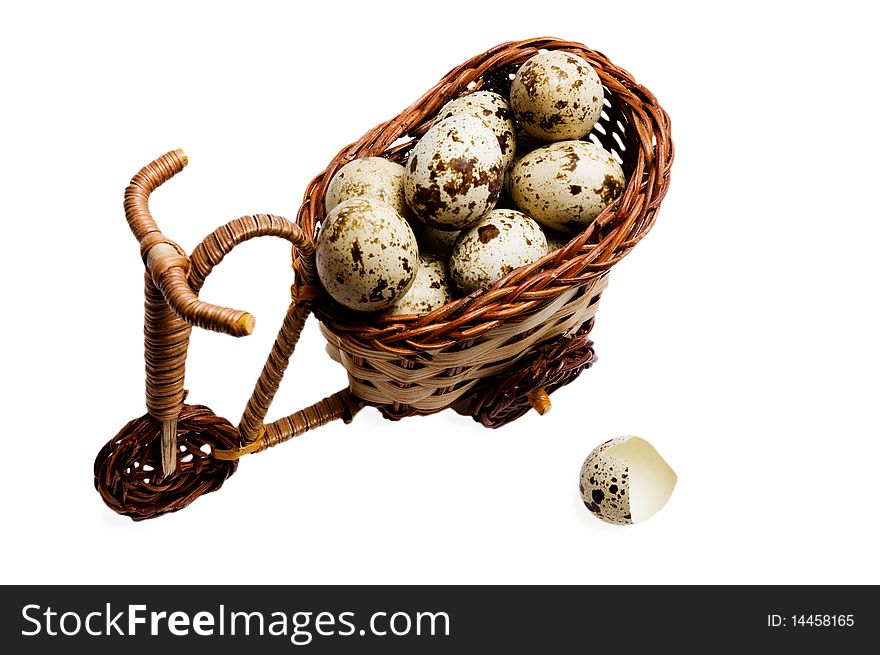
[491, 355]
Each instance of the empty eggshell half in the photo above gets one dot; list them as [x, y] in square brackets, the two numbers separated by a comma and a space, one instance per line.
[625, 480]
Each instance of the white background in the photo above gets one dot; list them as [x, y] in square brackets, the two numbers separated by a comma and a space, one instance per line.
[740, 337]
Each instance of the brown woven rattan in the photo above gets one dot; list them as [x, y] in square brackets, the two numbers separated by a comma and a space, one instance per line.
[422, 364]
[128, 468]
[491, 355]
[171, 431]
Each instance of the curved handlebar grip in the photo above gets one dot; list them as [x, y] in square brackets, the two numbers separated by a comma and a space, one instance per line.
[170, 274]
[166, 261]
[137, 196]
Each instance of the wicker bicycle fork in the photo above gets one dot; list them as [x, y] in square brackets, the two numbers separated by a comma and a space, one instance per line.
[165, 459]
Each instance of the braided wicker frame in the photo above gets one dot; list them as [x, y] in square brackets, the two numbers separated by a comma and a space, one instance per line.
[491, 355]
[409, 365]
[170, 440]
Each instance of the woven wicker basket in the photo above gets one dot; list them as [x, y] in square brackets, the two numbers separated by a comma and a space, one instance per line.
[490, 355]
[495, 352]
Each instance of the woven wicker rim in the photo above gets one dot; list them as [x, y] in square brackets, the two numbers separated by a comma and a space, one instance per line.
[610, 238]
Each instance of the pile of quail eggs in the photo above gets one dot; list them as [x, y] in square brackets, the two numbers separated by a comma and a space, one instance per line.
[490, 187]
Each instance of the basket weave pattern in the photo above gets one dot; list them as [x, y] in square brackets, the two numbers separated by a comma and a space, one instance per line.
[440, 378]
[423, 364]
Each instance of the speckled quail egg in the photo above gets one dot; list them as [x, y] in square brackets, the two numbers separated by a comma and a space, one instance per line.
[368, 177]
[366, 254]
[525, 143]
[506, 202]
[557, 95]
[625, 481]
[555, 240]
[439, 241]
[502, 241]
[493, 110]
[431, 289]
[565, 185]
[454, 173]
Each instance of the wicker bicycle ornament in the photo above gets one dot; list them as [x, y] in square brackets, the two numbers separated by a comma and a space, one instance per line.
[490, 355]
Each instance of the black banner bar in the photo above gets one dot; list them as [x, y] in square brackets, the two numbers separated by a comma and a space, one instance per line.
[288, 619]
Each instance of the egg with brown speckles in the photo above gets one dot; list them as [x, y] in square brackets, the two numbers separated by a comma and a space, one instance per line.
[557, 95]
[496, 114]
[506, 202]
[502, 241]
[555, 240]
[438, 241]
[525, 143]
[454, 174]
[368, 177]
[565, 185]
[431, 289]
[366, 254]
[625, 480]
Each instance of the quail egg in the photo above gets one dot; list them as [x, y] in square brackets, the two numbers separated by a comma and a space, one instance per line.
[557, 95]
[625, 480]
[366, 254]
[502, 241]
[431, 289]
[525, 143]
[368, 177]
[454, 173]
[565, 185]
[556, 241]
[493, 110]
[439, 241]
[506, 202]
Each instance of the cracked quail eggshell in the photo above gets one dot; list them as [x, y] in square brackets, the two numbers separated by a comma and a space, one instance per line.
[431, 289]
[503, 240]
[557, 95]
[454, 174]
[366, 254]
[565, 185]
[495, 113]
[368, 177]
[625, 480]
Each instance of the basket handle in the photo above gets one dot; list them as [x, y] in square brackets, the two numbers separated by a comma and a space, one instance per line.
[166, 261]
